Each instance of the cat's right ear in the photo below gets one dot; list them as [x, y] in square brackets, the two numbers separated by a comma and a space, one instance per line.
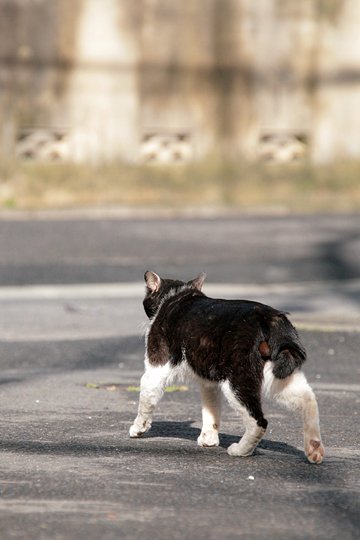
[152, 281]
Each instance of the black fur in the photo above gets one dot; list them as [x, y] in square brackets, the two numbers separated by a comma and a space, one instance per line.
[222, 339]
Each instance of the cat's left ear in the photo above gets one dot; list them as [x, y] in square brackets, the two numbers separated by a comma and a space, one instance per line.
[198, 282]
[152, 281]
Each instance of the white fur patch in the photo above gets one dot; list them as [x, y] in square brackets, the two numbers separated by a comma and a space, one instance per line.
[211, 409]
[151, 390]
[290, 392]
[295, 393]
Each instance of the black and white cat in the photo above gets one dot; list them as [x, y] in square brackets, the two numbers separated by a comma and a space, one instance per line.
[242, 348]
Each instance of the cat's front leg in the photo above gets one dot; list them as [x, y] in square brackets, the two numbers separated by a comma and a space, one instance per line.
[211, 407]
[152, 387]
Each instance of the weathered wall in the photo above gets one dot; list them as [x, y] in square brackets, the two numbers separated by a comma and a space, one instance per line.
[170, 81]
[37, 41]
[336, 106]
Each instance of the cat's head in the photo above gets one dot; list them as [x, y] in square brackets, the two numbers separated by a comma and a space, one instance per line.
[157, 288]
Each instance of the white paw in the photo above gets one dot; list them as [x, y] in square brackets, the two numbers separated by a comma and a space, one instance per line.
[314, 451]
[138, 431]
[208, 438]
[237, 450]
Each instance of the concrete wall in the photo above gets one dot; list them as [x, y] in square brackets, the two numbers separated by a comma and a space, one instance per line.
[163, 80]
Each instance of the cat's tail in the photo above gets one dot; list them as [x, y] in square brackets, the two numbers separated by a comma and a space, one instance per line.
[285, 348]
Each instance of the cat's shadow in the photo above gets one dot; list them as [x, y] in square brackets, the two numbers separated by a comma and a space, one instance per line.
[185, 430]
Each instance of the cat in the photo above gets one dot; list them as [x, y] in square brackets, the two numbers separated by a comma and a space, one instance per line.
[242, 348]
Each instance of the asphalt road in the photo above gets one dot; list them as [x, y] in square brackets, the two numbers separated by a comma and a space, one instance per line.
[233, 250]
[71, 355]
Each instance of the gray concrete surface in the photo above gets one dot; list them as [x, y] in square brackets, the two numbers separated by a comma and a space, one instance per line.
[231, 250]
[68, 357]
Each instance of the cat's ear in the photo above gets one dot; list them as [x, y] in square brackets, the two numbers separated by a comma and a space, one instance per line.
[152, 281]
[198, 282]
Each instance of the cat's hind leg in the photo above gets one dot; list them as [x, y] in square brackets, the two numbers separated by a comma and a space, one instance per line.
[255, 423]
[152, 387]
[211, 405]
[294, 392]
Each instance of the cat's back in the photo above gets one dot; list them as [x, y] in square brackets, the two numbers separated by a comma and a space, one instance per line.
[200, 310]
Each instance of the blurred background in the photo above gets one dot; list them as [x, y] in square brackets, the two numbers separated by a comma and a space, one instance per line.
[164, 103]
[211, 109]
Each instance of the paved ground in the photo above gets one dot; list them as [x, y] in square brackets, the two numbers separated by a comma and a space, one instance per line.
[69, 355]
[234, 250]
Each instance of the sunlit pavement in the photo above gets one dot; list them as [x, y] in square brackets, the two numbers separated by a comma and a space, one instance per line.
[71, 354]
